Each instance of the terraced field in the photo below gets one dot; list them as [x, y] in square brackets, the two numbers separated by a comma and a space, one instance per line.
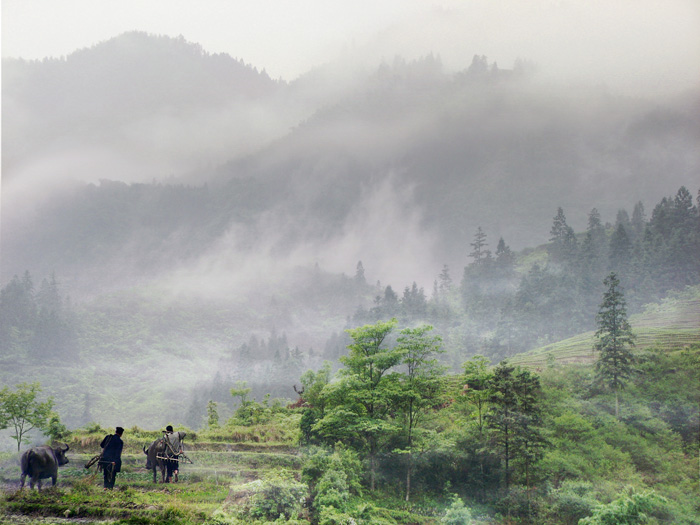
[218, 470]
[673, 323]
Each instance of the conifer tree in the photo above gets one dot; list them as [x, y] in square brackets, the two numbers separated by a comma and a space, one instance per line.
[514, 416]
[615, 338]
[360, 274]
[563, 239]
[479, 253]
[445, 281]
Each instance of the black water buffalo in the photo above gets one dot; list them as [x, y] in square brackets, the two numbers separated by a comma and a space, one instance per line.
[42, 462]
[154, 453]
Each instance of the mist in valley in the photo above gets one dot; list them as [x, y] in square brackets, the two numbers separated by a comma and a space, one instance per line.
[191, 204]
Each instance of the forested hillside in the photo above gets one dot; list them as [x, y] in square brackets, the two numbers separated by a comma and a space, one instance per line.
[402, 160]
[499, 304]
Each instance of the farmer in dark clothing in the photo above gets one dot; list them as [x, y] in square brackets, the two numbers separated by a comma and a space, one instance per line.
[111, 461]
[173, 450]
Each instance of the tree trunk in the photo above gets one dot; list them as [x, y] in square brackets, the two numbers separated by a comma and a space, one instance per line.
[507, 454]
[408, 476]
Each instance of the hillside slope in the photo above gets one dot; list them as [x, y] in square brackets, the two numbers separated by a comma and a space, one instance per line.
[403, 164]
[673, 322]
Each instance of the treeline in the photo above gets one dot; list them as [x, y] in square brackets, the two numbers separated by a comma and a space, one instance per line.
[506, 303]
[35, 323]
[510, 445]
[537, 448]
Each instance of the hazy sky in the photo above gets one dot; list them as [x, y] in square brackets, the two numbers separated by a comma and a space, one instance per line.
[633, 44]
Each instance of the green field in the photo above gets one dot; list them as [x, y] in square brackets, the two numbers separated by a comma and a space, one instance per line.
[218, 469]
[673, 323]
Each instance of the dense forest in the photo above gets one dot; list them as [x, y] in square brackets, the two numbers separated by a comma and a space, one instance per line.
[504, 303]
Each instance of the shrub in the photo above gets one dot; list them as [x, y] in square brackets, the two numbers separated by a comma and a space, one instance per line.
[572, 502]
[320, 460]
[629, 509]
[332, 491]
[278, 494]
[457, 513]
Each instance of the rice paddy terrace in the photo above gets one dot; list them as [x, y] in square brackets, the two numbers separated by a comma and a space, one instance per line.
[217, 476]
[671, 324]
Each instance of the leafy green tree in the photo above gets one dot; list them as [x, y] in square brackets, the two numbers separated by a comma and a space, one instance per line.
[21, 411]
[359, 406]
[241, 391]
[421, 384]
[614, 339]
[630, 509]
[311, 397]
[212, 414]
[276, 495]
[477, 378]
[514, 416]
[56, 430]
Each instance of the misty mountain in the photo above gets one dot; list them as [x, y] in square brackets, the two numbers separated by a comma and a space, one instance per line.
[130, 100]
[209, 167]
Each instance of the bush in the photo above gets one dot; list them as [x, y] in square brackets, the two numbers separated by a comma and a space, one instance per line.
[319, 460]
[629, 509]
[332, 516]
[332, 491]
[457, 513]
[277, 495]
[572, 502]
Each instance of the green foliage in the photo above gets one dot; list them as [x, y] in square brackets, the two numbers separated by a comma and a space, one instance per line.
[56, 430]
[212, 414]
[276, 495]
[22, 411]
[359, 405]
[629, 509]
[250, 412]
[457, 513]
[615, 338]
[477, 378]
[332, 491]
[318, 461]
[572, 502]
[514, 417]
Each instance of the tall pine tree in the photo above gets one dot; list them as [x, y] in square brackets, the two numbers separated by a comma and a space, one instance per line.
[614, 339]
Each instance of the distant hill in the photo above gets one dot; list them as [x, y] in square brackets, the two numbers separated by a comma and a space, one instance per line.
[672, 323]
[396, 167]
[144, 105]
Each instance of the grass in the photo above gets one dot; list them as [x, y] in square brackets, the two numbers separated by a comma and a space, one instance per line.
[223, 458]
[673, 323]
[203, 488]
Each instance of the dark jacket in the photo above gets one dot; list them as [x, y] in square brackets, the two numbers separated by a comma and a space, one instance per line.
[112, 446]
